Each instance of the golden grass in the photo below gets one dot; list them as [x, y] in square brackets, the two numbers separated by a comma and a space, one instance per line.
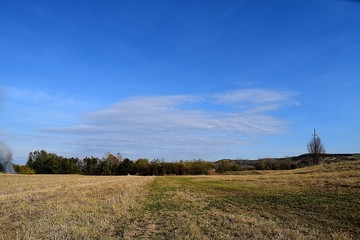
[67, 206]
[321, 202]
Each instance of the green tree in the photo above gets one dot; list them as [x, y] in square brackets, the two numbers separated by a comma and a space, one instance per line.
[37, 160]
[112, 163]
[141, 167]
[50, 163]
[125, 167]
[199, 167]
[227, 165]
[91, 165]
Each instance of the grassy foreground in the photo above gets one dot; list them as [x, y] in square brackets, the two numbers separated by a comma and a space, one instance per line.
[321, 202]
[67, 206]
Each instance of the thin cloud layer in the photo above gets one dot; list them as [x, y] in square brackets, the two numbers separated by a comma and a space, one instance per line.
[175, 127]
[256, 100]
[254, 96]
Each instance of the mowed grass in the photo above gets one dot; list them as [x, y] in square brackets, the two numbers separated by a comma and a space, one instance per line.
[321, 202]
[68, 206]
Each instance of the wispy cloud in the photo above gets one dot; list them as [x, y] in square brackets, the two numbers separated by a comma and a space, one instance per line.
[255, 95]
[256, 99]
[176, 127]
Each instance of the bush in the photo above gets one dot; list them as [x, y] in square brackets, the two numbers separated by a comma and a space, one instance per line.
[23, 169]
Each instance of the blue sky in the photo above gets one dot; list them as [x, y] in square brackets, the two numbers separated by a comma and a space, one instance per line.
[179, 79]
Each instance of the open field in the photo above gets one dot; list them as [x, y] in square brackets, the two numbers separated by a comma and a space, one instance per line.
[321, 202]
[67, 206]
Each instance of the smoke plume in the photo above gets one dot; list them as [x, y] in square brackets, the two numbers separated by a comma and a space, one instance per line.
[5, 159]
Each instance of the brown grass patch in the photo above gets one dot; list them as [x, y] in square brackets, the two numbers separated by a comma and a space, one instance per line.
[67, 206]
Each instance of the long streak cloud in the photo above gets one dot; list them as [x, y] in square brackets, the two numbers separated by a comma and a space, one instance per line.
[183, 126]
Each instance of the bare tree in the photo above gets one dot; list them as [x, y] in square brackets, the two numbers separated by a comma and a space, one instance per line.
[315, 148]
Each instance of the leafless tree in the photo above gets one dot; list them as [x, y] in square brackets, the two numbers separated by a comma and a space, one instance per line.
[315, 148]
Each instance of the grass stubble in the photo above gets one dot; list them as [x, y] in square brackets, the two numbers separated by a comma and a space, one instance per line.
[321, 202]
[67, 206]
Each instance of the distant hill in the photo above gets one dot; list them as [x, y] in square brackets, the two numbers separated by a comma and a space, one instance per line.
[287, 162]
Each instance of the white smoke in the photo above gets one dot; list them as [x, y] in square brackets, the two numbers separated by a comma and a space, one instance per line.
[5, 153]
[5, 159]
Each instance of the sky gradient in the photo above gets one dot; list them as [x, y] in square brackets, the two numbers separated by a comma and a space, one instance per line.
[179, 79]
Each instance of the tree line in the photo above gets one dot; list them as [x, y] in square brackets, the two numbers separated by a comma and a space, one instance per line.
[42, 162]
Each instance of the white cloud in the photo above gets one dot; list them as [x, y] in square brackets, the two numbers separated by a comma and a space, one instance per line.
[256, 99]
[175, 127]
[254, 95]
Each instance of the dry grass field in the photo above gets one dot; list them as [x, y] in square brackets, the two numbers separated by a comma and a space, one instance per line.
[321, 202]
[67, 206]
